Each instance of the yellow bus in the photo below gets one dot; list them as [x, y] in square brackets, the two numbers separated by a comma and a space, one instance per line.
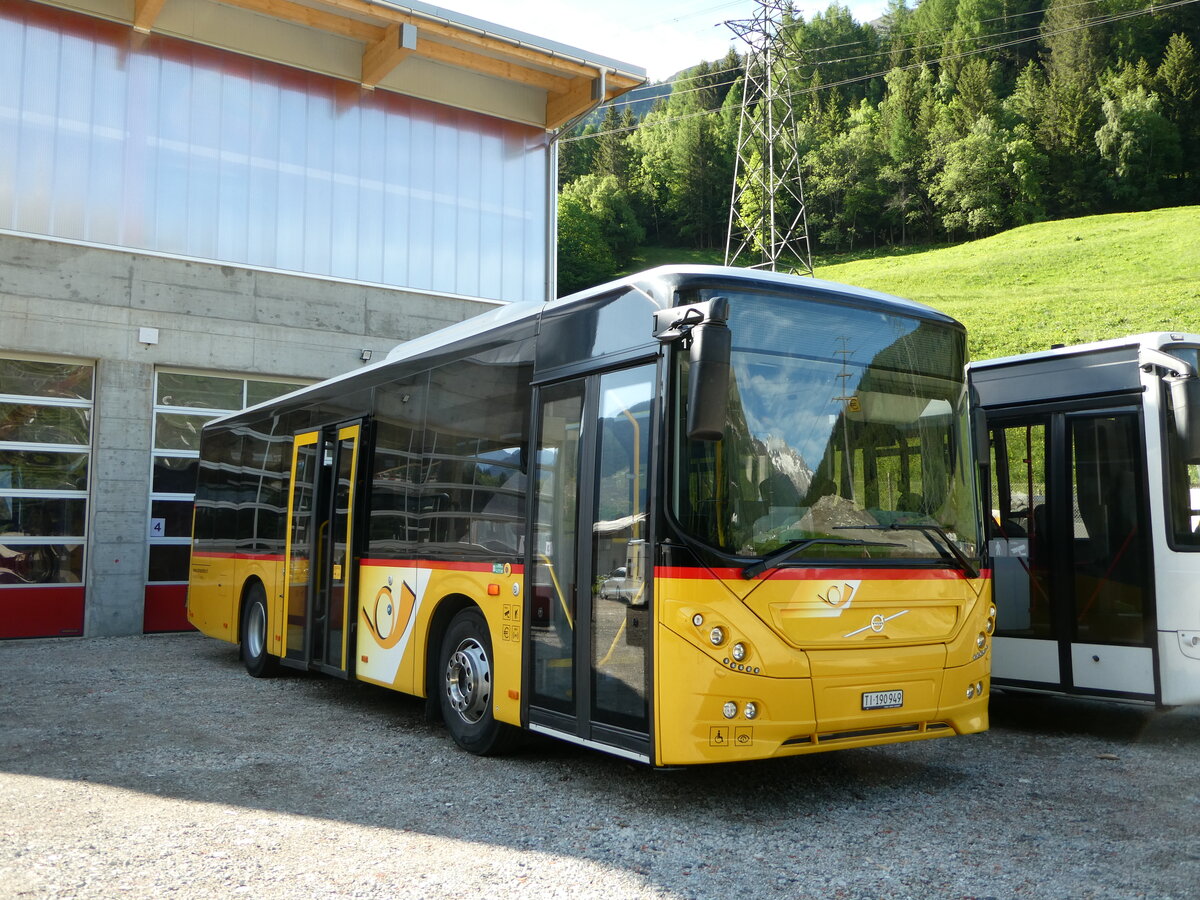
[697, 515]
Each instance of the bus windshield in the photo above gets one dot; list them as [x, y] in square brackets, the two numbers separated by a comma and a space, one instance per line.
[846, 437]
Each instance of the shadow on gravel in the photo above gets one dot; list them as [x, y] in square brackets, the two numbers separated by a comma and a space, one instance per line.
[177, 717]
[1111, 721]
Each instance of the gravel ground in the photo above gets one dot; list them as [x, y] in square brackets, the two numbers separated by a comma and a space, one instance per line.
[153, 767]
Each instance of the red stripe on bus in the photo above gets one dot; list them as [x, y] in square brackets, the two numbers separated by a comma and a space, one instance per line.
[439, 565]
[821, 574]
[260, 557]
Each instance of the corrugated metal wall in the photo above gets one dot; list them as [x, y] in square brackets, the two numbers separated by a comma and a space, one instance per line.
[157, 144]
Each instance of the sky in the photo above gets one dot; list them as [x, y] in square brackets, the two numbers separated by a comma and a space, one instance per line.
[660, 36]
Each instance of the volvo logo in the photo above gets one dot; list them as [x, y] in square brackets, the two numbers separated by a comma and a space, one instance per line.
[877, 622]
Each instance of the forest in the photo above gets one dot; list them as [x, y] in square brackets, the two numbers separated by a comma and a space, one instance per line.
[948, 121]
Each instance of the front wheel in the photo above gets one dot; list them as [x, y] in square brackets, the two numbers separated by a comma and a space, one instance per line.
[255, 657]
[467, 685]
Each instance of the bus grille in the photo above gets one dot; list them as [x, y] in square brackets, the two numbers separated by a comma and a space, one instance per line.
[912, 728]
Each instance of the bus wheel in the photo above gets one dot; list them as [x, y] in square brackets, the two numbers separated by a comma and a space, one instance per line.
[257, 660]
[467, 687]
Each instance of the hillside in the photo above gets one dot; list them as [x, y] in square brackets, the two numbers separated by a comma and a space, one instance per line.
[1063, 282]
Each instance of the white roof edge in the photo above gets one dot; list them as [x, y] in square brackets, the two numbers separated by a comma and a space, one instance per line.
[1153, 339]
[783, 278]
[511, 312]
[513, 36]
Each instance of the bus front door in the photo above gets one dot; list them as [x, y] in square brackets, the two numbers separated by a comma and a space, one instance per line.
[1070, 548]
[589, 597]
[319, 569]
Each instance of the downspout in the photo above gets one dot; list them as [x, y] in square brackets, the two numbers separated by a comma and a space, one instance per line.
[599, 91]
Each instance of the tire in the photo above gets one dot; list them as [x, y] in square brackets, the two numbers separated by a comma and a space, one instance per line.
[259, 663]
[465, 687]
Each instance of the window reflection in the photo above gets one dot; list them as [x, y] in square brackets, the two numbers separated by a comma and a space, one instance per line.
[845, 426]
[44, 470]
[1183, 478]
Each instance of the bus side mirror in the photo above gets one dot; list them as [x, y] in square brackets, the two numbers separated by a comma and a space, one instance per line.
[704, 331]
[1185, 401]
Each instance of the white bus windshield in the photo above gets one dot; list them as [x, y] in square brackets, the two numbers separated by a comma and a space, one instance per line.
[846, 436]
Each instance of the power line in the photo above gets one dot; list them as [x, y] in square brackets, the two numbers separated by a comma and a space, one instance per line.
[817, 63]
[1093, 23]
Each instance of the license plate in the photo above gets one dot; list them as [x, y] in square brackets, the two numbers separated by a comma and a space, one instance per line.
[882, 699]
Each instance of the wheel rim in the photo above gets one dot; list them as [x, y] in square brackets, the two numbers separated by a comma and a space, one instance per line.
[469, 681]
[256, 630]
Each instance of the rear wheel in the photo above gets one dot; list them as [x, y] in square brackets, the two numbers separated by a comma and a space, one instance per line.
[466, 687]
[257, 660]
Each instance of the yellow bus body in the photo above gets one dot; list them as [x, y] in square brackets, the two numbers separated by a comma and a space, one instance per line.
[808, 662]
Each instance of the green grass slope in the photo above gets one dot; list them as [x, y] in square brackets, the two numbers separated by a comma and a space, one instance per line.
[1062, 282]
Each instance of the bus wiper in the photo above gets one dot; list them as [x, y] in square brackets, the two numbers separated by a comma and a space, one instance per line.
[959, 557]
[774, 560]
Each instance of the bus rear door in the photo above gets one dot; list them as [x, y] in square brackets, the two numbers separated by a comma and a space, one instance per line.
[320, 569]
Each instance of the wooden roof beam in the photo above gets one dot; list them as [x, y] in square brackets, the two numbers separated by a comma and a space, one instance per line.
[322, 20]
[586, 94]
[145, 12]
[381, 57]
[528, 55]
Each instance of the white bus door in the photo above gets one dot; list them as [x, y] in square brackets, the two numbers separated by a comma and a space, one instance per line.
[1070, 547]
[589, 598]
[319, 570]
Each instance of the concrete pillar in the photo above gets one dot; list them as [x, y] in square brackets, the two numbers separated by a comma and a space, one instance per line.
[120, 478]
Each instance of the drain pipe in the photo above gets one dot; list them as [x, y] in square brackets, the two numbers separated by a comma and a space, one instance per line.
[599, 91]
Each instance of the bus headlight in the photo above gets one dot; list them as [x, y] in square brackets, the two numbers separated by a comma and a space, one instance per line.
[750, 711]
[981, 640]
[730, 709]
[717, 636]
[739, 651]
[991, 619]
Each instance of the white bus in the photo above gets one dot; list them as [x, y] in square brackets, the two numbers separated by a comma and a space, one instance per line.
[1095, 528]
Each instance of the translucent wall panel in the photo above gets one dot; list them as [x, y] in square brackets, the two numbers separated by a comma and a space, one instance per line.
[157, 144]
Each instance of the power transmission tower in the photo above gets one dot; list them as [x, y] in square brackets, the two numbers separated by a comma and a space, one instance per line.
[767, 218]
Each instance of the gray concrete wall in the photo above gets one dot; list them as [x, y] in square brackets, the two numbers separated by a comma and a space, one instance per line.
[89, 303]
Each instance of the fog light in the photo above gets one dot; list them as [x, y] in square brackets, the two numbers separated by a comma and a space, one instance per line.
[739, 651]
[697, 620]
[979, 688]
[751, 710]
[717, 636]
[970, 691]
[730, 709]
